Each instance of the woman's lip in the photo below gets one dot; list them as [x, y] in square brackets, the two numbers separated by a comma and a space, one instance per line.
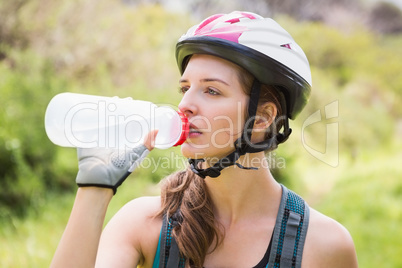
[194, 134]
[193, 128]
[194, 131]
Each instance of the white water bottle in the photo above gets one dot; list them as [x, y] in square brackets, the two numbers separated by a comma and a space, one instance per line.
[87, 121]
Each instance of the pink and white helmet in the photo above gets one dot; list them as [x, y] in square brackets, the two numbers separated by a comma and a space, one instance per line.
[260, 45]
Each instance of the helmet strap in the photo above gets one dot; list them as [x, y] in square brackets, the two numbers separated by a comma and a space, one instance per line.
[243, 144]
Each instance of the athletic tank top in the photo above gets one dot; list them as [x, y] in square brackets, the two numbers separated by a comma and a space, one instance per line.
[285, 249]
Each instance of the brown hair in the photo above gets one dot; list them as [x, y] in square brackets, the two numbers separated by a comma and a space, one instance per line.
[186, 194]
[197, 230]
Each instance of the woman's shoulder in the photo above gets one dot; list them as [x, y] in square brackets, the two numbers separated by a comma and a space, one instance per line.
[138, 214]
[328, 243]
[141, 210]
[145, 205]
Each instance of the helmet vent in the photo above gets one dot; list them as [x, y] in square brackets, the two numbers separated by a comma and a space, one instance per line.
[287, 46]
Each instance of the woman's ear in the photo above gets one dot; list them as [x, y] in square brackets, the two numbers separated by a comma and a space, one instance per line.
[266, 114]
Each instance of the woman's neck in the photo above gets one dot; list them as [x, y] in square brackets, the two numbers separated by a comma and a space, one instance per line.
[240, 194]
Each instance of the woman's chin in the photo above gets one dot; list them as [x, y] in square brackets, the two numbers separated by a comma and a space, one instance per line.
[190, 151]
[195, 151]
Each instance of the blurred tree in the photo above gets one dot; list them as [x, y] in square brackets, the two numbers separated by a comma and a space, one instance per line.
[11, 27]
[386, 18]
[50, 47]
[300, 10]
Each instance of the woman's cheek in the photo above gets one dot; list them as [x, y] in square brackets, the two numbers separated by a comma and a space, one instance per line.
[222, 138]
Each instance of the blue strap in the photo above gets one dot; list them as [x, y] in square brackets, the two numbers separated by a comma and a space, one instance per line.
[157, 254]
[174, 254]
[163, 239]
[290, 231]
[289, 239]
[168, 252]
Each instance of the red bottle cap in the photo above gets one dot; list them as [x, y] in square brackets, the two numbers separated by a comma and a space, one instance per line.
[185, 129]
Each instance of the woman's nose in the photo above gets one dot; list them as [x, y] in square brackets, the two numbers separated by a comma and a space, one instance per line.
[188, 103]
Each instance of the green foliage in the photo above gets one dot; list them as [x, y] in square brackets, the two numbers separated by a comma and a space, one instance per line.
[359, 70]
[27, 169]
[47, 47]
[366, 199]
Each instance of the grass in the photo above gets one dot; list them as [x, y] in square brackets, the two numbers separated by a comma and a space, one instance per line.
[32, 241]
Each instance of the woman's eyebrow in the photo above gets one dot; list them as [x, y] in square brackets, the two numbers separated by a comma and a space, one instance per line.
[214, 80]
[206, 80]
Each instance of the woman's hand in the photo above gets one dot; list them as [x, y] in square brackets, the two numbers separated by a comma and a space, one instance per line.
[108, 168]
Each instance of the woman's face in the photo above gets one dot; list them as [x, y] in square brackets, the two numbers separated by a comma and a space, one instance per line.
[215, 104]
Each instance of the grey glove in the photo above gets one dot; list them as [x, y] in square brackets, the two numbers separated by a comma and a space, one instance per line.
[107, 168]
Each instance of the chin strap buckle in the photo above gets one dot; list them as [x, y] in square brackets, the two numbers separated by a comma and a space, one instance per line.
[212, 172]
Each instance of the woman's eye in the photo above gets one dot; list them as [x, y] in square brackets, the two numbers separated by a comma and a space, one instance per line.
[212, 91]
[183, 90]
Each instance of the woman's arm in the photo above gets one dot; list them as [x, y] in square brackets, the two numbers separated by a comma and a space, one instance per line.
[79, 243]
[101, 171]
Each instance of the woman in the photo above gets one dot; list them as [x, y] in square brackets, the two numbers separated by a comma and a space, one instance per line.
[243, 76]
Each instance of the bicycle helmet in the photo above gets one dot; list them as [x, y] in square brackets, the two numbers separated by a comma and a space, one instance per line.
[268, 52]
